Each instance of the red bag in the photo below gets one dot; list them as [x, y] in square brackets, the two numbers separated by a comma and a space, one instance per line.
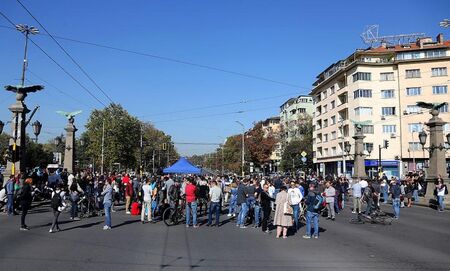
[135, 208]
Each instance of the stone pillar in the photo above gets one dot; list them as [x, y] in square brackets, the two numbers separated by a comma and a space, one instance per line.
[437, 163]
[19, 110]
[359, 164]
[69, 153]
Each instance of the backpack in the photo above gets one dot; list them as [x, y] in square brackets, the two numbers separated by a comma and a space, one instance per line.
[56, 201]
[318, 202]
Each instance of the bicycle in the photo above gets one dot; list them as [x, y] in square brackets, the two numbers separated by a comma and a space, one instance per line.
[174, 215]
[376, 217]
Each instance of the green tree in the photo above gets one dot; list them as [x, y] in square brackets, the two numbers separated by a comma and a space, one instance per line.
[232, 153]
[291, 153]
[36, 155]
[122, 134]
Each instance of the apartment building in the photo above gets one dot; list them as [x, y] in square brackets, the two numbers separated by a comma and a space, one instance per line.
[381, 85]
[271, 126]
[292, 114]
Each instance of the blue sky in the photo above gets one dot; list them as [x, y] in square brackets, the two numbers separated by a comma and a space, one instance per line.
[286, 41]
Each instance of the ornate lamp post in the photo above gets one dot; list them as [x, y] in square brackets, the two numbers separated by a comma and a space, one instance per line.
[37, 126]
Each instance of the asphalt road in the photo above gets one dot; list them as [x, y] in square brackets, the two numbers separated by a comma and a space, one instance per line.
[419, 240]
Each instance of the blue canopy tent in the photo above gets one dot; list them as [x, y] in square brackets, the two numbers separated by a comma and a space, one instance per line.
[183, 166]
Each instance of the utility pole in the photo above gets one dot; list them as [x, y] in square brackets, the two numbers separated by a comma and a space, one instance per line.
[103, 147]
[153, 161]
[222, 161]
[168, 155]
[141, 150]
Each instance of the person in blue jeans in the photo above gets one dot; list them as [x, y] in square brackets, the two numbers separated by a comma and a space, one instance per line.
[191, 207]
[242, 203]
[233, 200]
[215, 196]
[396, 192]
[312, 215]
[107, 202]
[10, 195]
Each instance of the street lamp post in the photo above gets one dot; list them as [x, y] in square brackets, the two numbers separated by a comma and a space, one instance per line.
[26, 30]
[37, 126]
[243, 147]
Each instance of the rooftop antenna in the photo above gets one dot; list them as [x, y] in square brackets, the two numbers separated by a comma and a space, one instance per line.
[370, 37]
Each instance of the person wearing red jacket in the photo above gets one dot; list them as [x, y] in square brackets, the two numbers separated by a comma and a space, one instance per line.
[191, 203]
[128, 192]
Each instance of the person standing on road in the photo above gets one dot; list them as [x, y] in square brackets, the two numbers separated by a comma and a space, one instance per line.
[295, 197]
[25, 202]
[57, 205]
[233, 200]
[147, 202]
[441, 191]
[265, 200]
[329, 194]
[215, 196]
[191, 203]
[356, 194]
[396, 193]
[282, 220]
[312, 214]
[242, 203]
[128, 195]
[107, 202]
[10, 194]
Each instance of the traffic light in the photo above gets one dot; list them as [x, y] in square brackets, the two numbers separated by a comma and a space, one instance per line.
[386, 143]
[164, 146]
[14, 155]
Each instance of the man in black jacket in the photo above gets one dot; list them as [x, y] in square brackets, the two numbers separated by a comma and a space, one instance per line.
[312, 214]
[242, 203]
[25, 202]
[265, 200]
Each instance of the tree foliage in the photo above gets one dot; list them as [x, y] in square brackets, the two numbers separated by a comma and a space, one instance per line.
[291, 154]
[122, 134]
[258, 145]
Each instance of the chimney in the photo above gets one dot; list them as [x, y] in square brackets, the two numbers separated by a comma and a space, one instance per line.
[440, 38]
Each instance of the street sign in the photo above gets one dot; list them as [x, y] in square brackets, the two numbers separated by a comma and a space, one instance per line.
[303, 154]
[304, 159]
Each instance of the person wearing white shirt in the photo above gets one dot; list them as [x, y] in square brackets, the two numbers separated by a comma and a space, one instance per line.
[441, 188]
[295, 197]
[147, 202]
[272, 195]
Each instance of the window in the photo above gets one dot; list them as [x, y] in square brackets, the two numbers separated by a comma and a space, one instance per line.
[413, 109]
[332, 90]
[439, 89]
[365, 76]
[325, 123]
[366, 145]
[302, 110]
[387, 76]
[367, 129]
[325, 108]
[333, 135]
[362, 93]
[363, 111]
[325, 152]
[333, 120]
[387, 94]
[415, 73]
[439, 71]
[333, 104]
[388, 111]
[415, 127]
[434, 53]
[333, 151]
[414, 146]
[446, 127]
[413, 91]
[325, 137]
[324, 94]
[408, 55]
[444, 109]
[389, 129]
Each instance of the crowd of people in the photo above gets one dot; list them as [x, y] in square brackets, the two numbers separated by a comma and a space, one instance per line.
[278, 202]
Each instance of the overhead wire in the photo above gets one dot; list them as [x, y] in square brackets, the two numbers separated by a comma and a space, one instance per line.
[66, 52]
[179, 61]
[57, 64]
